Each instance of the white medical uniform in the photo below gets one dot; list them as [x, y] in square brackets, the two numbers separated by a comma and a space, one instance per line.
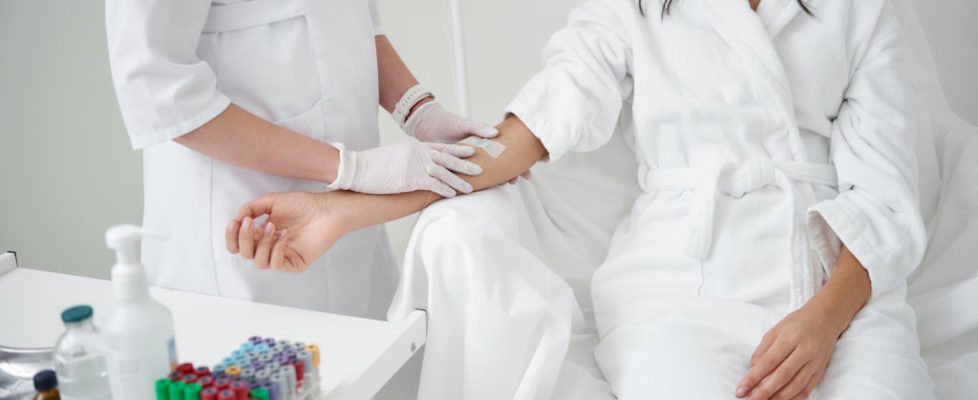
[309, 66]
[765, 139]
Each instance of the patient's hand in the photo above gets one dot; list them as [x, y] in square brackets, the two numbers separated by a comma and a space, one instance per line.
[301, 226]
[792, 356]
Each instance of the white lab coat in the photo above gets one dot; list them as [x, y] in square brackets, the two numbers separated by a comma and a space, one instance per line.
[309, 66]
[764, 140]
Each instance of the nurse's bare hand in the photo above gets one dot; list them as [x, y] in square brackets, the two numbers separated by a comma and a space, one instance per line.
[792, 357]
[298, 230]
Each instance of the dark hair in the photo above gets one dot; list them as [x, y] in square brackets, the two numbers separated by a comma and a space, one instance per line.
[666, 4]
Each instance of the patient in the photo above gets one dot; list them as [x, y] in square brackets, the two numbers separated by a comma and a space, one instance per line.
[767, 257]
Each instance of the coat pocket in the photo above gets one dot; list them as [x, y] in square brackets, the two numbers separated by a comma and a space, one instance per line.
[262, 53]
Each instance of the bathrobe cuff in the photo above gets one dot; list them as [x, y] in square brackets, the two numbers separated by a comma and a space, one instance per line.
[830, 225]
[524, 107]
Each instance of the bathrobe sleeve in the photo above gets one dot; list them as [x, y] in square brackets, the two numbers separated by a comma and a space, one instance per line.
[575, 101]
[872, 146]
[164, 89]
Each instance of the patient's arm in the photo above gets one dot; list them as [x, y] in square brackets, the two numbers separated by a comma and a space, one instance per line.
[302, 226]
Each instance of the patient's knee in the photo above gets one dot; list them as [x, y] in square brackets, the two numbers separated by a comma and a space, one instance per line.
[466, 220]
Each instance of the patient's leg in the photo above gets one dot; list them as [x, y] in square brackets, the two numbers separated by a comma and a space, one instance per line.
[878, 356]
[499, 318]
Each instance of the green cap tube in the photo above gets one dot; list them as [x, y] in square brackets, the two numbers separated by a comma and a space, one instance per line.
[176, 390]
[192, 392]
[163, 389]
[259, 394]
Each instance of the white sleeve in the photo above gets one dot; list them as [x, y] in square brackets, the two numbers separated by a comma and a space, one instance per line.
[164, 89]
[575, 101]
[876, 213]
[375, 18]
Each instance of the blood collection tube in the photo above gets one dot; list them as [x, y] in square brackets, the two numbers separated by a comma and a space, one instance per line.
[257, 365]
[272, 394]
[202, 371]
[226, 394]
[222, 383]
[259, 394]
[261, 348]
[266, 357]
[209, 393]
[192, 392]
[284, 343]
[291, 379]
[299, 370]
[255, 339]
[274, 387]
[281, 385]
[299, 346]
[240, 390]
[189, 378]
[206, 381]
[175, 376]
[314, 349]
[186, 368]
[163, 389]
[306, 358]
[270, 342]
[247, 372]
[176, 390]
[233, 370]
[247, 346]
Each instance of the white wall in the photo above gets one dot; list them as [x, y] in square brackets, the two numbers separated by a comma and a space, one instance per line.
[67, 172]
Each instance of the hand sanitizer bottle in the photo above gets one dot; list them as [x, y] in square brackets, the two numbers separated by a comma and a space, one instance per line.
[138, 331]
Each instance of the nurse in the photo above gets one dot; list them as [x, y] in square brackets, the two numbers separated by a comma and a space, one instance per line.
[233, 99]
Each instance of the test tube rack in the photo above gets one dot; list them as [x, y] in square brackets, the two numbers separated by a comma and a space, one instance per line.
[259, 369]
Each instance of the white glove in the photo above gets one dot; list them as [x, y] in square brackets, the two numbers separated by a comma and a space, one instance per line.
[405, 167]
[430, 122]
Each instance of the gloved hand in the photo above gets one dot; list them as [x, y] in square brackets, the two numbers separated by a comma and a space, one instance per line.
[430, 122]
[405, 167]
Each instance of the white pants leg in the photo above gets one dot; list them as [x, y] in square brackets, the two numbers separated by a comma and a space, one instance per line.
[499, 320]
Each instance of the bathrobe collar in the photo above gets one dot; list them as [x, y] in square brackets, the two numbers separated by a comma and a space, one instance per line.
[751, 35]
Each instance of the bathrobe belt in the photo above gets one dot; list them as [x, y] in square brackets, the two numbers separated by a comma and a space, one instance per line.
[735, 180]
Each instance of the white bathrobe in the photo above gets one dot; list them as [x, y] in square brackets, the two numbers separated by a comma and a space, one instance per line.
[765, 140]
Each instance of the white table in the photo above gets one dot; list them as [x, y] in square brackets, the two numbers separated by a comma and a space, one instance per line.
[358, 355]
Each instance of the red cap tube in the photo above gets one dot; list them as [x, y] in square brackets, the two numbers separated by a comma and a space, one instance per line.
[209, 393]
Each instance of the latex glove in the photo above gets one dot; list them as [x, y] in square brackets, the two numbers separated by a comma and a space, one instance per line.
[430, 122]
[406, 167]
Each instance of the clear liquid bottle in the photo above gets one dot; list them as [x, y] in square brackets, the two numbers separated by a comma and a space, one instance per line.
[78, 358]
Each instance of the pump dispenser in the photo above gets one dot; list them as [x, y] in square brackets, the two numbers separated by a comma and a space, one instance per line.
[138, 331]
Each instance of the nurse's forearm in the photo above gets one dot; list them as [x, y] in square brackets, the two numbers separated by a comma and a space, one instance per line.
[393, 76]
[845, 293]
[242, 139]
[523, 149]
